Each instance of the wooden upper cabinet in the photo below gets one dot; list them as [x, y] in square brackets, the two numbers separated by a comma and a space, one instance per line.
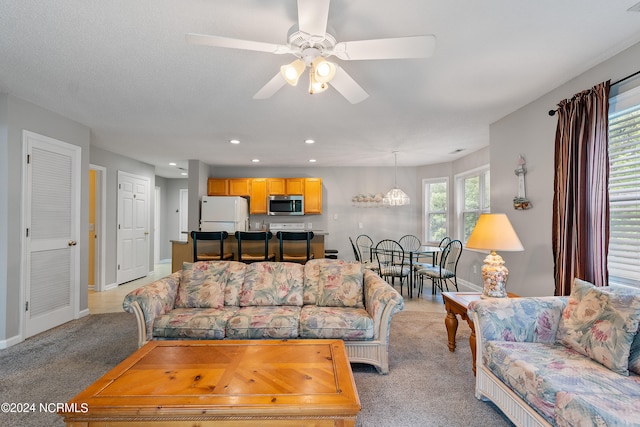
[258, 197]
[217, 187]
[313, 195]
[239, 186]
[295, 186]
[276, 186]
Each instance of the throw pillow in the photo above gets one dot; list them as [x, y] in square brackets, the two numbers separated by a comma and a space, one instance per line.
[600, 325]
[341, 286]
[202, 284]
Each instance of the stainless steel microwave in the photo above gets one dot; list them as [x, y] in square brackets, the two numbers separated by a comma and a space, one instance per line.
[286, 205]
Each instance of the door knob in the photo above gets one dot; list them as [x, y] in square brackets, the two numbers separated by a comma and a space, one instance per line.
[72, 243]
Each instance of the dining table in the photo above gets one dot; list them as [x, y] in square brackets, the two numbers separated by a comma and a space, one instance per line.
[414, 255]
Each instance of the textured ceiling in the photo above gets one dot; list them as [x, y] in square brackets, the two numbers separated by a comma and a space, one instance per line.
[124, 69]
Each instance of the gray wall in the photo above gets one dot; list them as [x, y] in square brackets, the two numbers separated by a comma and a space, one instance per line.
[114, 163]
[530, 131]
[17, 115]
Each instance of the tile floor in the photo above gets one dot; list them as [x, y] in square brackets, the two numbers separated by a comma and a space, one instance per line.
[111, 301]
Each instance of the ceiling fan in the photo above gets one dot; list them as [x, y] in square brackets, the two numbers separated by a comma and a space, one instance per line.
[310, 43]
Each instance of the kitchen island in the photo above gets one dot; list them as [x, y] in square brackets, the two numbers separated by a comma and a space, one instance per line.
[182, 251]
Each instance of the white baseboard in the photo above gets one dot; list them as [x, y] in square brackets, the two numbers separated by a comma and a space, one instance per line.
[83, 313]
[11, 341]
[110, 286]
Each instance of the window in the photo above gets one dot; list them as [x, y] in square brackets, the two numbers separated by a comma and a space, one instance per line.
[436, 200]
[624, 189]
[473, 189]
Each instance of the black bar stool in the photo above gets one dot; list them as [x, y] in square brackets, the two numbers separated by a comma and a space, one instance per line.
[299, 236]
[249, 257]
[197, 236]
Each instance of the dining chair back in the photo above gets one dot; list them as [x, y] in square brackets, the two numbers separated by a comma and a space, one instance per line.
[445, 271]
[293, 253]
[390, 259]
[199, 246]
[258, 252]
[364, 244]
[356, 253]
[409, 242]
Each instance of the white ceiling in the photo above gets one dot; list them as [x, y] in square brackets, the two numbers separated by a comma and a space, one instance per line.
[124, 69]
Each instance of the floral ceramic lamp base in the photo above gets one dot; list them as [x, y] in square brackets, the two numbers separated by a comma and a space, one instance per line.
[494, 276]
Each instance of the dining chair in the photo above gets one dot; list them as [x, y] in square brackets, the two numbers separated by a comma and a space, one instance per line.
[364, 244]
[198, 237]
[446, 271]
[294, 252]
[250, 237]
[366, 264]
[390, 259]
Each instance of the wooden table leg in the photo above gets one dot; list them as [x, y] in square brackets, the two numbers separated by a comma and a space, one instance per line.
[451, 322]
[472, 344]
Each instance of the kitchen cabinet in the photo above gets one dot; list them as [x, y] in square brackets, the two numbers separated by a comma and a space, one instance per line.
[295, 186]
[258, 190]
[312, 195]
[276, 186]
[239, 186]
[258, 196]
[217, 187]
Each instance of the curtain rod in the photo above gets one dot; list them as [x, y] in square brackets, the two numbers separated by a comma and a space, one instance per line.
[553, 112]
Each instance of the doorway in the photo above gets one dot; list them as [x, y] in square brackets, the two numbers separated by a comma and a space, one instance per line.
[97, 228]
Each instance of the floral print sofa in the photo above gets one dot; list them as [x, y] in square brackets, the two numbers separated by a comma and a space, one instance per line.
[325, 298]
[565, 361]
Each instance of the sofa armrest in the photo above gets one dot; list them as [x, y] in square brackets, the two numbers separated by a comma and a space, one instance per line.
[381, 301]
[527, 319]
[151, 301]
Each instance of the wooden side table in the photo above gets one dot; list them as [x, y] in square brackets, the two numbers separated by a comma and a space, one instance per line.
[457, 303]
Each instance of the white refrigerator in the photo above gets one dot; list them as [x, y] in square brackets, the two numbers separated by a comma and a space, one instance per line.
[224, 213]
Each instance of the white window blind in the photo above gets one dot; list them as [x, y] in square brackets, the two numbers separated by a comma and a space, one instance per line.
[624, 194]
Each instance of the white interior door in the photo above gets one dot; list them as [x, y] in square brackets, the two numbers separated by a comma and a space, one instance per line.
[156, 227]
[51, 201]
[133, 227]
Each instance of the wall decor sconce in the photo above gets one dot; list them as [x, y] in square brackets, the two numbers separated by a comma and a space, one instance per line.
[520, 201]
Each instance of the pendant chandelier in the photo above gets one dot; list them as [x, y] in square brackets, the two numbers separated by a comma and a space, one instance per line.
[395, 196]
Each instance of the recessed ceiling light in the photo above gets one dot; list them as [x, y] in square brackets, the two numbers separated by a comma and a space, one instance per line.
[255, 160]
[172, 164]
[183, 174]
[309, 141]
[234, 141]
[312, 160]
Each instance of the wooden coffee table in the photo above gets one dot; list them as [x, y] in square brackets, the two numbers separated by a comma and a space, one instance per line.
[229, 383]
[457, 303]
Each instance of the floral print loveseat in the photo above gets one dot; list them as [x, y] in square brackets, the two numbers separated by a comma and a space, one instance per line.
[325, 298]
[565, 361]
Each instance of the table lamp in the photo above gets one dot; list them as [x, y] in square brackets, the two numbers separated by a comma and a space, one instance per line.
[495, 233]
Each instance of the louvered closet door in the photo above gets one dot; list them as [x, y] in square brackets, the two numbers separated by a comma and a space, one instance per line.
[52, 218]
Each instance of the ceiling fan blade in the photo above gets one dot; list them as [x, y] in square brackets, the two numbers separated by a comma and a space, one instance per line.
[217, 41]
[312, 16]
[395, 48]
[271, 87]
[344, 83]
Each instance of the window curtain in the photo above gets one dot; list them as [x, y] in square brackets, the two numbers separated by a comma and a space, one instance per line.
[581, 197]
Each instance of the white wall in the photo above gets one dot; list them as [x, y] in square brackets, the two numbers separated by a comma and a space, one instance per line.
[530, 131]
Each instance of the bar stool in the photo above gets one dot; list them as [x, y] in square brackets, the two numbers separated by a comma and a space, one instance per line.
[253, 236]
[298, 236]
[197, 236]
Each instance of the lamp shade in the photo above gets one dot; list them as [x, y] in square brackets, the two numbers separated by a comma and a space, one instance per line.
[494, 232]
[292, 72]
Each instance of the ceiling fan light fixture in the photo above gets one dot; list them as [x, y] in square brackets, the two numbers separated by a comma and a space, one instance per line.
[323, 70]
[316, 86]
[292, 72]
